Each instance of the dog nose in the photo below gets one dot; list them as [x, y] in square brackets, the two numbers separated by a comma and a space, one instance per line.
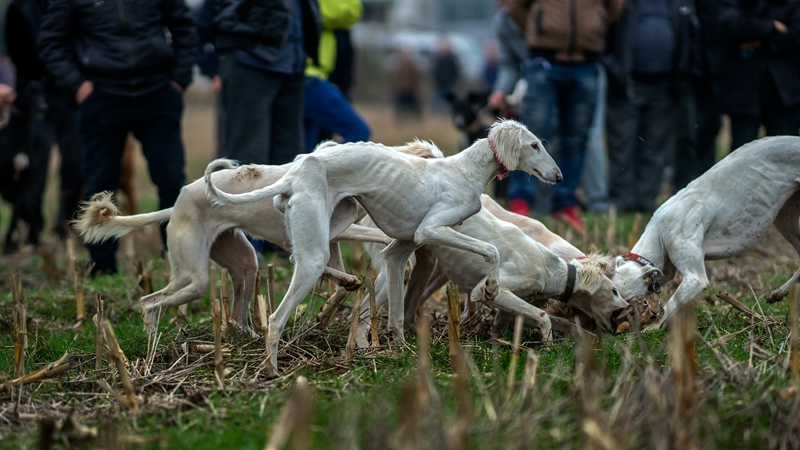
[559, 178]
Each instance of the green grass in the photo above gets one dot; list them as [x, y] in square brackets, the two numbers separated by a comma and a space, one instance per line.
[741, 400]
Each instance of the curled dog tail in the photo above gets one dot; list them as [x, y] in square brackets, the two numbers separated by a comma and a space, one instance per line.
[218, 197]
[99, 219]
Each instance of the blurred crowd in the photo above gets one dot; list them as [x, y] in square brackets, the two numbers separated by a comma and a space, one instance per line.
[628, 95]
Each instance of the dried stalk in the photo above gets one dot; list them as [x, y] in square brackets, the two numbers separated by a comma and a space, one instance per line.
[512, 369]
[49, 264]
[219, 363]
[373, 314]
[82, 270]
[116, 355]
[611, 228]
[271, 287]
[70, 257]
[98, 319]
[350, 349]
[257, 323]
[113, 393]
[50, 371]
[19, 326]
[261, 301]
[424, 387]
[224, 298]
[635, 230]
[531, 365]
[143, 278]
[331, 306]
[739, 305]
[683, 362]
[453, 297]
[458, 434]
[794, 359]
[294, 419]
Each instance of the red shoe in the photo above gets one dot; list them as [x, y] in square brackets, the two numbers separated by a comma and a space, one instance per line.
[519, 206]
[571, 217]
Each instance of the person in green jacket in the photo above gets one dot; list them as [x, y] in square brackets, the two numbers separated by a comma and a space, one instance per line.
[326, 107]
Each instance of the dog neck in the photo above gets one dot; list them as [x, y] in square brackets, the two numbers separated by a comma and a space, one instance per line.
[649, 250]
[478, 164]
[503, 169]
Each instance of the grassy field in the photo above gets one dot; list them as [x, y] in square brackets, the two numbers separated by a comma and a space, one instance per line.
[628, 391]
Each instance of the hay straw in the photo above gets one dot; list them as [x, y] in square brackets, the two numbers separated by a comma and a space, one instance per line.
[116, 355]
[70, 257]
[98, 319]
[683, 364]
[512, 369]
[331, 306]
[50, 371]
[224, 298]
[82, 270]
[350, 348]
[794, 359]
[454, 327]
[271, 287]
[143, 278]
[739, 305]
[261, 303]
[19, 325]
[373, 313]
[293, 422]
[219, 363]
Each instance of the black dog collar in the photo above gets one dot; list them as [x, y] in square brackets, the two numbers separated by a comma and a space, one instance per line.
[570, 283]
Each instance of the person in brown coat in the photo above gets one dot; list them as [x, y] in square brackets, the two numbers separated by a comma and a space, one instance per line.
[564, 39]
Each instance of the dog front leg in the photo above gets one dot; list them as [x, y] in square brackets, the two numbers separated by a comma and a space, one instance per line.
[507, 301]
[695, 281]
[448, 237]
[396, 255]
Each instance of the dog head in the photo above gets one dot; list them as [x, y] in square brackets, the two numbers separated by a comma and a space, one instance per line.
[634, 279]
[519, 149]
[596, 295]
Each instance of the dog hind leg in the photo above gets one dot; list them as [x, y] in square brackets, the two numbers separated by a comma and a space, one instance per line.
[395, 256]
[233, 251]
[788, 223]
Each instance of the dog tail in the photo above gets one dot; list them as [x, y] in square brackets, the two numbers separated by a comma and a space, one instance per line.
[99, 219]
[218, 197]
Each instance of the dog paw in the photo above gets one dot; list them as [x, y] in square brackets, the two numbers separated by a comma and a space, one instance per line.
[350, 283]
[490, 289]
[777, 295]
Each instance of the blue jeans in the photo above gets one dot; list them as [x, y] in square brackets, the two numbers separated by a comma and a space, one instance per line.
[327, 108]
[155, 120]
[571, 91]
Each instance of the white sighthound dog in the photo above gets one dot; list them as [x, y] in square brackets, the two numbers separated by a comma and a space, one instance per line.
[414, 201]
[529, 271]
[197, 228]
[721, 214]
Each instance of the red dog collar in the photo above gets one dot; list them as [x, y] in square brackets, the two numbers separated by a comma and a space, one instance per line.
[639, 259]
[503, 169]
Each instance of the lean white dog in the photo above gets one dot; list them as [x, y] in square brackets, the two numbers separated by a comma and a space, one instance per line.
[198, 230]
[721, 214]
[414, 201]
[529, 271]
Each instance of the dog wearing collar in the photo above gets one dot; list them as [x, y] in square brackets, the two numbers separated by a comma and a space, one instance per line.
[414, 201]
[721, 214]
[529, 272]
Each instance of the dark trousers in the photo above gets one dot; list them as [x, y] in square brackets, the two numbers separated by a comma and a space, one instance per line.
[155, 120]
[326, 108]
[264, 113]
[569, 92]
[640, 134]
[697, 126]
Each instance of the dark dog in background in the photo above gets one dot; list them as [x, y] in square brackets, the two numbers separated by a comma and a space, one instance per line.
[473, 119]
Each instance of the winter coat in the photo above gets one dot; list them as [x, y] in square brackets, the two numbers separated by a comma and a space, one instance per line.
[125, 47]
[755, 52]
[260, 27]
[618, 58]
[571, 29]
[336, 15]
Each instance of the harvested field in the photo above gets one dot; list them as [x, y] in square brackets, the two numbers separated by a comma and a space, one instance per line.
[720, 377]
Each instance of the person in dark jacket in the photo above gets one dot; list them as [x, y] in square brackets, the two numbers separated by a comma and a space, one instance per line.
[127, 62]
[761, 85]
[699, 116]
[262, 47]
[55, 123]
[649, 59]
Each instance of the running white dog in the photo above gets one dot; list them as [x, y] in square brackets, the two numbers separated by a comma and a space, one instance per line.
[415, 201]
[529, 271]
[721, 214]
[198, 230]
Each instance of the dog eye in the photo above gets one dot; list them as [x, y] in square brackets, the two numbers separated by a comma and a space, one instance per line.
[535, 146]
[614, 291]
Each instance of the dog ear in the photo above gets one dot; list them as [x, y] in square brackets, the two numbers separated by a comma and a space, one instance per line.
[618, 261]
[510, 137]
